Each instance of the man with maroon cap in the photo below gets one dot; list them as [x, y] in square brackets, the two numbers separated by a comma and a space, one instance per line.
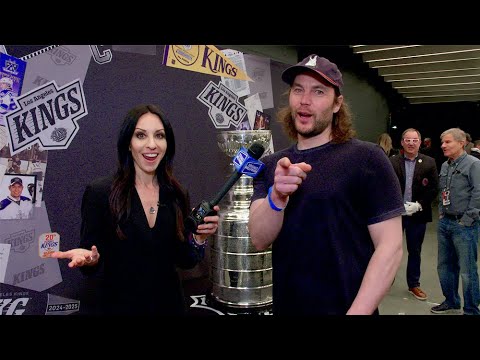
[330, 205]
[16, 206]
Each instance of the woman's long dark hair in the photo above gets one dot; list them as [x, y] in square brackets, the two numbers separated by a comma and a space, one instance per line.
[124, 179]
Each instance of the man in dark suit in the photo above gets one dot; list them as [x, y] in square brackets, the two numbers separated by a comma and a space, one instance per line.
[418, 177]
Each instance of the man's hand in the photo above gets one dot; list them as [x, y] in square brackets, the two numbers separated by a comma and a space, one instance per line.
[289, 176]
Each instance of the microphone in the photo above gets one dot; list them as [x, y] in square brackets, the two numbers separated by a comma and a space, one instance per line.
[246, 162]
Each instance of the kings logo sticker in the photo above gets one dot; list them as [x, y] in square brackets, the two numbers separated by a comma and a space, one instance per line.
[224, 108]
[47, 115]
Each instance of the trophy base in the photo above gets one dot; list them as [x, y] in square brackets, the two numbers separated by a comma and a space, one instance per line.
[214, 302]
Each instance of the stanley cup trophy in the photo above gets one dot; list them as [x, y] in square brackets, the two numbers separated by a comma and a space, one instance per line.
[241, 276]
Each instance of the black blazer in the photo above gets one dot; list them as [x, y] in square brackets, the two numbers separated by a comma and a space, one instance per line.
[137, 275]
[424, 184]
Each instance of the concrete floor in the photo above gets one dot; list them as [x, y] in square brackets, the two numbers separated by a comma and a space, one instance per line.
[399, 301]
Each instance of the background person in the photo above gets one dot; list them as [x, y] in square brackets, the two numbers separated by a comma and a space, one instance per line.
[337, 244]
[418, 178]
[132, 223]
[475, 150]
[432, 151]
[468, 143]
[385, 142]
[458, 209]
[427, 148]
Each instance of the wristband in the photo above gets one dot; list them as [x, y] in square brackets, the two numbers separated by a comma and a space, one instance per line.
[272, 205]
[193, 241]
[199, 248]
[197, 243]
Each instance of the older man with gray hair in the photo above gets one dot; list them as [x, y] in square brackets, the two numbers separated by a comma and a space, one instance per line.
[458, 225]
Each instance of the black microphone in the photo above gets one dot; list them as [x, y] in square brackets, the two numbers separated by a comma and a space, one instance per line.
[205, 208]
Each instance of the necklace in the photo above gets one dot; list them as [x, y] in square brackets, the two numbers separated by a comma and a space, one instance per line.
[146, 194]
[152, 209]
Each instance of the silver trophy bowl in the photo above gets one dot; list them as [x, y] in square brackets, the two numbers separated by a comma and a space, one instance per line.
[241, 276]
[231, 141]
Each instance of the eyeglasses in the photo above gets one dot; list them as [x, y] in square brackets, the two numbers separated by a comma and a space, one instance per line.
[411, 141]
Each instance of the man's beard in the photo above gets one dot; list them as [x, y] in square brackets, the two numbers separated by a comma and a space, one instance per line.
[318, 127]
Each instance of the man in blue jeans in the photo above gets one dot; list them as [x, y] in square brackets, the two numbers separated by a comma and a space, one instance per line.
[459, 210]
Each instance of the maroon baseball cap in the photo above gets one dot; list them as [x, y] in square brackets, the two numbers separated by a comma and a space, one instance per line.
[322, 66]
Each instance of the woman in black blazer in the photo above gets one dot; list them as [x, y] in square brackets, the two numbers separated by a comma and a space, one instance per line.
[132, 232]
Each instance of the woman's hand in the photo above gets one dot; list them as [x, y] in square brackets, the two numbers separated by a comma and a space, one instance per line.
[78, 257]
[209, 227]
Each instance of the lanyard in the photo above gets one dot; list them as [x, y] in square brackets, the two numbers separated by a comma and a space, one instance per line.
[447, 185]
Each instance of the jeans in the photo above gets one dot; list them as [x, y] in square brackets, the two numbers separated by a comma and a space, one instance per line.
[457, 256]
[414, 233]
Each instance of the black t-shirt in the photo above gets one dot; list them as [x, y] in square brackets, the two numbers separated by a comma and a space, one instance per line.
[323, 248]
